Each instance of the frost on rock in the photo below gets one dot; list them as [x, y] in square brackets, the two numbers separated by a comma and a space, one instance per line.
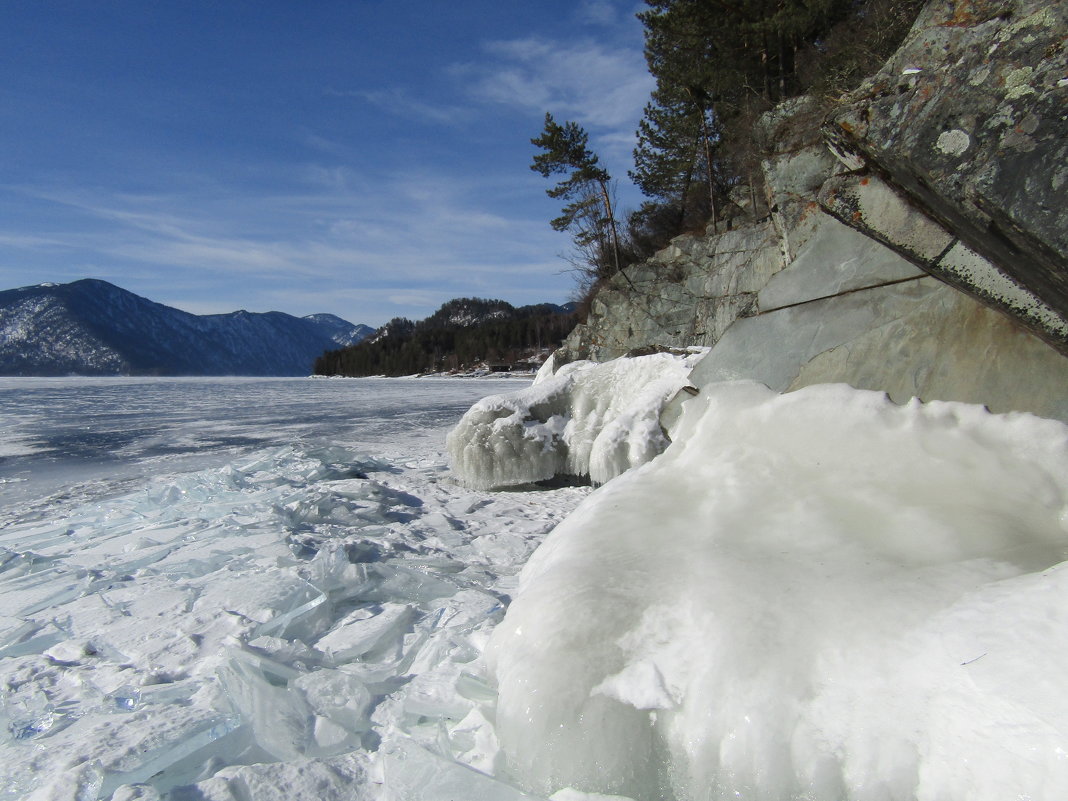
[589, 419]
[812, 595]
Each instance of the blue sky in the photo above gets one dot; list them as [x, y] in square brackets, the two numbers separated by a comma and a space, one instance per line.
[368, 158]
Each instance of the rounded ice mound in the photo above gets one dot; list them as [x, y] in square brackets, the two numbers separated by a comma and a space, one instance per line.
[589, 419]
[812, 595]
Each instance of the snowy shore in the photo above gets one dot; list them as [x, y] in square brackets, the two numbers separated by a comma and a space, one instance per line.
[817, 595]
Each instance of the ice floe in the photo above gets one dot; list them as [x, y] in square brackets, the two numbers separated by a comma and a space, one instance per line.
[293, 623]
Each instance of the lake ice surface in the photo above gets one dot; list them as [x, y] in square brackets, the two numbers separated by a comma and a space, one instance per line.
[249, 589]
[255, 590]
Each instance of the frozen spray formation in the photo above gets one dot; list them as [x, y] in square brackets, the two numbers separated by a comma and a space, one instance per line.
[588, 419]
[817, 595]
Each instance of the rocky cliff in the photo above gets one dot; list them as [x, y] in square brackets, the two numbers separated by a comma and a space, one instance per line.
[914, 237]
[967, 125]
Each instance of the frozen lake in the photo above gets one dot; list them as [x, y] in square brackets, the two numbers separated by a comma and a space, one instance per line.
[250, 590]
[209, 585]
[64, 439]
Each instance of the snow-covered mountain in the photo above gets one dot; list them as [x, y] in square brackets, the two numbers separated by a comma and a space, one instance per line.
[341, 331]
[91, 327]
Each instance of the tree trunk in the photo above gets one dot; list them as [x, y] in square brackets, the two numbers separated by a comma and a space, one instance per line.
[612, 233]
[708, 164]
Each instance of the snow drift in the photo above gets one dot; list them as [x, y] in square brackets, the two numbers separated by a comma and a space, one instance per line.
[588, 419]
[808, 596]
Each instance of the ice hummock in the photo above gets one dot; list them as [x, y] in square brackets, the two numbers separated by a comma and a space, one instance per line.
[588, 420]
[819, 595]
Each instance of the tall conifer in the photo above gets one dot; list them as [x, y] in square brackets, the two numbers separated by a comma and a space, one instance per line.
[588, 214]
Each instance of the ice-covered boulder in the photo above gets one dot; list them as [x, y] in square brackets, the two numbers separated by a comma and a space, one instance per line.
[588, 419]
[819, 594]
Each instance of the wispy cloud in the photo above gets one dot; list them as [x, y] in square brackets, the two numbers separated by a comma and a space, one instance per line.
[418, 240]
[402, 103]
[607, 13]
[602, 87]
[31, 242]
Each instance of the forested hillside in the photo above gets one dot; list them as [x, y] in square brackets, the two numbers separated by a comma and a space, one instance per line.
[463, 333]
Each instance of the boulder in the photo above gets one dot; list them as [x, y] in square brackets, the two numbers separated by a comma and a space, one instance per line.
[967, 121]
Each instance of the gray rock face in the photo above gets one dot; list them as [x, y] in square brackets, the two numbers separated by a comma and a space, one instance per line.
[872, 206]
[688, 294]
[968, 121]
[917, 338]
[808, 297]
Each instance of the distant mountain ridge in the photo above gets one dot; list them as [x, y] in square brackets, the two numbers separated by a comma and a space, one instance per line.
[92, 327]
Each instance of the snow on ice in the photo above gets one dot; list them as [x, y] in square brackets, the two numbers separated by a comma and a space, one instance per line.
[818, 595]
[298, 624]
[589, 420]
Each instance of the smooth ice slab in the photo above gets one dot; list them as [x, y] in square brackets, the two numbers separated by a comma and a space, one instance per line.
[413, 773]
[363, 631]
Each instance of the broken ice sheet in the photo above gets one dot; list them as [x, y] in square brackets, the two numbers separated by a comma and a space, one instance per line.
[27, 637]
[77, 783]
[365, 630]
[344, 776]
[128, 748]
[413, 773]
[280, 720]
[163, 765]
[196, 575]
[571, 794]
[338, 696]
[280, 605]
[393, 582]
[39, 590]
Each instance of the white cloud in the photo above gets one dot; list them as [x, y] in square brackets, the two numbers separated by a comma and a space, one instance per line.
[400, 102]
[22, 241]
[608, 13]
[600, 86]
[419, 239]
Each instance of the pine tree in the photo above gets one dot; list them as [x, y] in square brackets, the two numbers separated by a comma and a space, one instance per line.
[675, 161]
[588, 214]
[736, 52]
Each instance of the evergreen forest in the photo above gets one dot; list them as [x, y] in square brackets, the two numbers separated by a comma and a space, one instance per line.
[462, 334]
